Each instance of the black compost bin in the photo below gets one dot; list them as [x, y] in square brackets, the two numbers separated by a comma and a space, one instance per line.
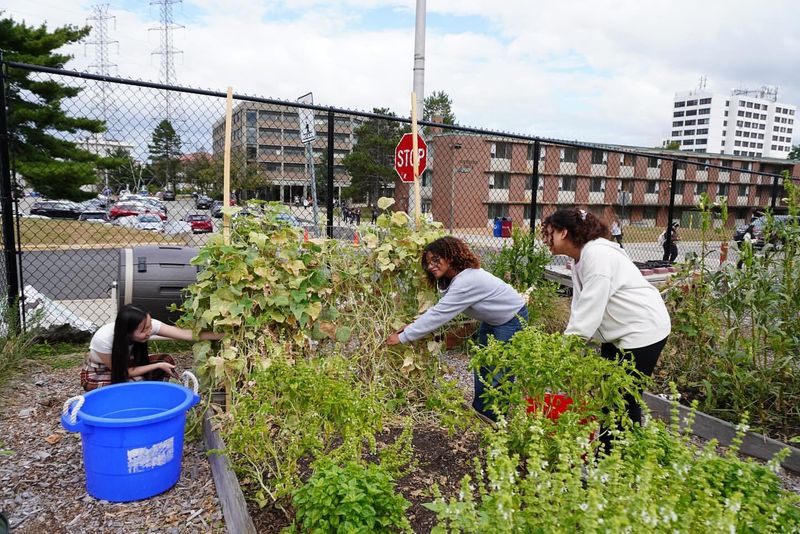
[155, 277]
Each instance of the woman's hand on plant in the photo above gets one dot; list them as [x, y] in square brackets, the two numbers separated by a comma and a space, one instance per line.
[211, 336]
[394, 339]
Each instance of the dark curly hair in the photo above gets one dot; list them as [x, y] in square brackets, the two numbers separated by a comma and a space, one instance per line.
[580, 225]
[452, 249]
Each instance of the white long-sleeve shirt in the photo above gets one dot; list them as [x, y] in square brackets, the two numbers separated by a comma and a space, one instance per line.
[478, 294]
[611, 300]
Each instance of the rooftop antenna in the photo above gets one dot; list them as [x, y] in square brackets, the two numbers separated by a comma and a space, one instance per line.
[702, 85]
[101, 41]
[166, 50]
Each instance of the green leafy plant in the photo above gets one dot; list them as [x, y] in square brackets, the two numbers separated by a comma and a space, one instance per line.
[288, 413]
[736, 337]
[653, 481]
[350, 498]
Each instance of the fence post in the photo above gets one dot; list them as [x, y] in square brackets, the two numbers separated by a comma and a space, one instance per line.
[329, 164]
[6, 200]
[671, 210]
[537, 149]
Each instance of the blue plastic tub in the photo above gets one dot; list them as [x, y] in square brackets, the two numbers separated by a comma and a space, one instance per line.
[132, 438]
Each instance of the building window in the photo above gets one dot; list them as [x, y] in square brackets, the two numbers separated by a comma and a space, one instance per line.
[626, 160]
[679, 187]
[677, 123]
[427, 178]
[688, 132]
[676, 133]
[498, 180]
[569, 155]
[251, 118]
[652, 186]
[722, 190]
[691, 102]
[704, 101]
[597, 185]
[526, 212]
[690, 122]
[502, 151]
[497, 211]
[688, 141]
[680, 104]
[652, 163]
[678, 114]
[701, 141]
[567, 183]
[599, 157]
[701, 131]
[702, 187]
[691, 112]
[744, 190]
[649, 212]
[704, 111]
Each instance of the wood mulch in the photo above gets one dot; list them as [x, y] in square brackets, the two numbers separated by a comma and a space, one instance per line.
[42, 481]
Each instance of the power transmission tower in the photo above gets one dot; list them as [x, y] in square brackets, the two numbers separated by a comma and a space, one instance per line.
[167, 50]
[101, 41]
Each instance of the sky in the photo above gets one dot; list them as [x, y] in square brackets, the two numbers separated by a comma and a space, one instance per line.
[590, 70]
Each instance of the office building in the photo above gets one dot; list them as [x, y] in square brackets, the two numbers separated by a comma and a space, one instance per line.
[748, 123]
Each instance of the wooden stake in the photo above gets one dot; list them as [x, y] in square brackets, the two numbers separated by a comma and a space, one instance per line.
[415, 156]
[226, 170]
[226, 196]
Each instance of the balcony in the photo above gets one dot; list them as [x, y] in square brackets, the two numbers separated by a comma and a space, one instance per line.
[500, 165]
[498, 195]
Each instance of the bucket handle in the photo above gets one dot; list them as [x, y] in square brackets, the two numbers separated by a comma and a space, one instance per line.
[73, 415]
[188, 376]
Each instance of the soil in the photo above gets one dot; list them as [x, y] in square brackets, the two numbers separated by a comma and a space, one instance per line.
[442, 460]
[42, 481]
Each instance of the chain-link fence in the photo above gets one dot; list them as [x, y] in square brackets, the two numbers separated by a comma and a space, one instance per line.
[152, 175]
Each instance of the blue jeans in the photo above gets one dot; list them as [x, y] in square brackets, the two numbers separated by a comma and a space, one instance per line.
[501, 332]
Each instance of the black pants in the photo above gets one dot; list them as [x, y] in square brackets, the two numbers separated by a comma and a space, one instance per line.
[670, 252]
[645, 360]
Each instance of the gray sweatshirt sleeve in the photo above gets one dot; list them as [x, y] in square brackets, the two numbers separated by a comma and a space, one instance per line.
[458, 298]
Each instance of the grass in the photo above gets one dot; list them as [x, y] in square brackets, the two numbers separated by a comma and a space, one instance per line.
[68, 233]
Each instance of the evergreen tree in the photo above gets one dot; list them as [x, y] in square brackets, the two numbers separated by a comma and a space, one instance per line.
[438, 104]
[795, 152]
[371, 164]
[165, 152]
[51, 164]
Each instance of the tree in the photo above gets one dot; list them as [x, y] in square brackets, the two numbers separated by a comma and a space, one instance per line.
[321, 174]
[795, 153]
[438, 104]
[165, 152]
[370, 163]
[50, 163]
[671, 145]
[205, 172]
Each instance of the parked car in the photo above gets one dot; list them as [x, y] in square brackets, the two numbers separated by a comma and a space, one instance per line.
[94, 216]
[57, 209]
[202, 202]
[758, 232]
[200, 223]
[169, 194]
[216, 209]
[149, 221]
[130, 208]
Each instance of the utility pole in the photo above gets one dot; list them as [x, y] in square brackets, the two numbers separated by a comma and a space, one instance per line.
[419, 56]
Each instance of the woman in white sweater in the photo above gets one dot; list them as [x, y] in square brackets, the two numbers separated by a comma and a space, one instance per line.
[455, 271]
[612, 303]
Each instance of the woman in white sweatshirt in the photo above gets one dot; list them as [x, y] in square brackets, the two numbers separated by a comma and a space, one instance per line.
[612, 303]
[455, 271]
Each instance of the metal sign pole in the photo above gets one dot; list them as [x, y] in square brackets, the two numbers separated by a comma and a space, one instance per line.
[308, 135]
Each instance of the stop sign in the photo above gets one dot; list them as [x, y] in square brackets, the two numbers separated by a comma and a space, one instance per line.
[404, 157]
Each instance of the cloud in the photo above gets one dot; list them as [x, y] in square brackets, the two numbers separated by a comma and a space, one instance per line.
[594, 70]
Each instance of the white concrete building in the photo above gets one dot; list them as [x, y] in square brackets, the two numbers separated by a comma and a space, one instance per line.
[744, 123]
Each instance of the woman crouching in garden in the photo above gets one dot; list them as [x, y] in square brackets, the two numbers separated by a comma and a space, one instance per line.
[452, 268]
[611, 301]
[118, 350]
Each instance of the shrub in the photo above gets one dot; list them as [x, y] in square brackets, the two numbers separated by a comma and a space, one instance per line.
[351, 498]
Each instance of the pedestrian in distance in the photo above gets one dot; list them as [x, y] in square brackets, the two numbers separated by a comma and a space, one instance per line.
[358, 216]
[118, 351]
[452, 268]
[612, 303]
[670, 246]
[616, 231]
[374, 214]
